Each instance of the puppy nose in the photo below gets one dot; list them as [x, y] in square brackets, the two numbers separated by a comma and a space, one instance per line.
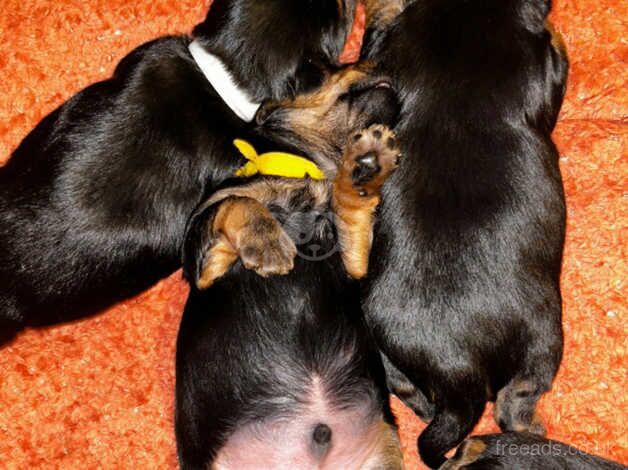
[263, 113]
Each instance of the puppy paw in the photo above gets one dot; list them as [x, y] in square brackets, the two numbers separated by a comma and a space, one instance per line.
[515, 407]
[265, 248]
[371, 156]
[537, 426]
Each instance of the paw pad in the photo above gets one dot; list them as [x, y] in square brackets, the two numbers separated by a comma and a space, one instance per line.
[370, 157]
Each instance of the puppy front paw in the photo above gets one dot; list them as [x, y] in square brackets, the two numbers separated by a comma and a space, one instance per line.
[537, 426]
[264, 247]
[371, 156]
[241, 227]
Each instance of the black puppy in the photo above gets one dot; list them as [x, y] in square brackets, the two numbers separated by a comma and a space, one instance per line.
[523, 451]
[93, 203]
[281, 373]
[463, 296]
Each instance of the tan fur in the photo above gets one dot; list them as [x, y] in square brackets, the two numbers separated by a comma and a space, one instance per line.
[232, 215]
[471, 450]
[387, 454]
[354, 211]
[217, 262]
[557, 38]
[234, 226]
[320, 120]
[354, 220]
[341, 8]
[381, 13]
[354, 204]
[535, 427]
[354, 216]
[335, 85]
[520, 423]
[275, 190]
[404, 389]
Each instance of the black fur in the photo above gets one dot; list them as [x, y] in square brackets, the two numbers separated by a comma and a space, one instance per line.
[93, 203]
[464, 296]
[463, 293]
[250, 349]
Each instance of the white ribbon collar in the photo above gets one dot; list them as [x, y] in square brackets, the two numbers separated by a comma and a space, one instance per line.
[217, 74]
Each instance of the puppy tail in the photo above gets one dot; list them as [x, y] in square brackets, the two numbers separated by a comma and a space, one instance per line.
[449, 428]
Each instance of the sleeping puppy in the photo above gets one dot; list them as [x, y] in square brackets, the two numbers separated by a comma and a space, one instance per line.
[94, 202]
[280, 372]
[523, 451]
[463, 293]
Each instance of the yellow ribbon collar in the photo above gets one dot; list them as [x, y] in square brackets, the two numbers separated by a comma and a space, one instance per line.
[275, 164]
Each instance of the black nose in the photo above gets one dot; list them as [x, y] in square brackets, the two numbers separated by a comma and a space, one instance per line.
[264, 112]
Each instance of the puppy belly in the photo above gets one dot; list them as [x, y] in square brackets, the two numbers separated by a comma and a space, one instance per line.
[356, 441]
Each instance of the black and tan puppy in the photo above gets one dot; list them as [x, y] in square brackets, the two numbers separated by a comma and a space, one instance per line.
[463, 293]
[280, 372]
[94, 202]
[523, 451]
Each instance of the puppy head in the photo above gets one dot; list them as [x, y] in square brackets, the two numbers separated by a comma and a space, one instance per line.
[319, 123]
[508, 59]
[277, 48]
[473, 64]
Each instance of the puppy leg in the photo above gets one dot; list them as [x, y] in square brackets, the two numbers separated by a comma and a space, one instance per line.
[240, 227]
[405, 390]
[453, 422]
[368, 160]
[468, 452]
[515, 407]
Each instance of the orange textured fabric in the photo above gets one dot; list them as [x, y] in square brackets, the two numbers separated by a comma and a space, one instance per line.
[99, 393]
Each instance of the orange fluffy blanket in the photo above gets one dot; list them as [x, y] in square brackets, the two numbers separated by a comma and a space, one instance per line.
[99, 393]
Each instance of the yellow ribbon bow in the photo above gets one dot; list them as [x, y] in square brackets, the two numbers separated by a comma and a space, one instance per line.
[275, 164]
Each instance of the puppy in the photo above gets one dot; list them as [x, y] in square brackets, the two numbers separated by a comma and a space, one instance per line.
[94, 202]
[463, 293]
[523, 451]
[280, 372]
